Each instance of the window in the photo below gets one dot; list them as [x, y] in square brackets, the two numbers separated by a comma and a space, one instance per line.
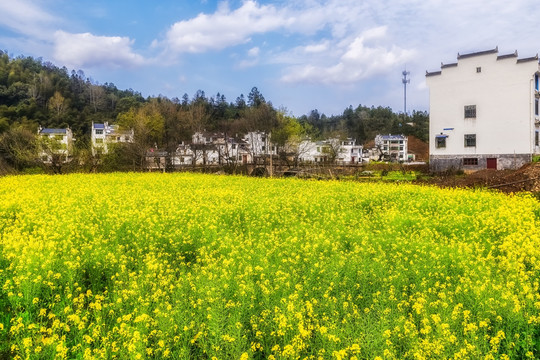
[99, 132]
[537, 82]
[440, 142]
[536, 107]
[536, 138]
[61, 137]
[99, 141]
[470, 140]
[470, 161]
[479, 69]
[470, 111]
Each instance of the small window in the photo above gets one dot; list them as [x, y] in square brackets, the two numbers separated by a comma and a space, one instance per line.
[470, 140]
[536, 107]
[536, 138]
[99, 141]
[479, 69]
[537, 82]
[470, 161]
[99, 132]
[470, 111]
[440, 142]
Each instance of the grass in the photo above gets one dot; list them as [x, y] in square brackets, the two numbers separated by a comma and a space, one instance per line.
[199, 266]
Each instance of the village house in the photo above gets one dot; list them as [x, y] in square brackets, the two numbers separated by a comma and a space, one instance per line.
[55, 142]
[216, 148]
[330, 151]
[104, 134]
[391, 148]
[484, 112]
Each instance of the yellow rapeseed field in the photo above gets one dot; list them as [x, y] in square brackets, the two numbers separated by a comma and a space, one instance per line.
[186, 266]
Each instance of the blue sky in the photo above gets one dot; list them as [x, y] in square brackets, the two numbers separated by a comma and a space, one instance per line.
[301, 55]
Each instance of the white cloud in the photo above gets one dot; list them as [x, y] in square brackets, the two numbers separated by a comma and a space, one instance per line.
[360, 59]
[222, 29]
[26, 18]
[88, 50]
[317, 48]
[254, 52]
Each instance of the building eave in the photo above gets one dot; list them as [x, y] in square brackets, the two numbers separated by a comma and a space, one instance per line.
[479, 53]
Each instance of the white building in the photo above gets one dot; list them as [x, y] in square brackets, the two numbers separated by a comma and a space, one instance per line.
[391, 148]
[484, 112]
[349, 152]
[258, 145]
[104, 134]
[55, 142]
[330, 150]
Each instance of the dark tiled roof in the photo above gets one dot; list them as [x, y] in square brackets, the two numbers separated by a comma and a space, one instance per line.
[507, 56]
[53, 131]
[393, 137]
[532, 58]
[448, 65]
[99, 126]
[486, 52]
[433, 73]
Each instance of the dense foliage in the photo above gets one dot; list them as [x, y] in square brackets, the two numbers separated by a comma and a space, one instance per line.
[194, 266]
[33, 93]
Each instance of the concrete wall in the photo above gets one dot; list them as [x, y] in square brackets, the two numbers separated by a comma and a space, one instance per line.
[455, 162]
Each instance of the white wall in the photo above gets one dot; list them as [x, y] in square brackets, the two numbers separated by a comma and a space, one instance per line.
[503, 93]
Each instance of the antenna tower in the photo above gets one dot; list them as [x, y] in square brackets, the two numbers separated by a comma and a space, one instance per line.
[405, 81]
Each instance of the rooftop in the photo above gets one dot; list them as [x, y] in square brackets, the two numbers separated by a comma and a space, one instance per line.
[53, 131]
[478, 53]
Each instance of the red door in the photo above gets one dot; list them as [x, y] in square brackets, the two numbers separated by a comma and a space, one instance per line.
[492, 163]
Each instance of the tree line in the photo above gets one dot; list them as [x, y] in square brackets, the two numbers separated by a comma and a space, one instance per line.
[36, 93]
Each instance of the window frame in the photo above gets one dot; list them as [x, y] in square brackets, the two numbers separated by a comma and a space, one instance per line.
[469, 140]
[469, 111]
[440, 142]
[470, 161]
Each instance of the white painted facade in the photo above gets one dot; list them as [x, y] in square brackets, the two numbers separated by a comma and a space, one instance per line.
[104, 134]
[391, 147]
[60, 143]
[484, 112]
[346, 151]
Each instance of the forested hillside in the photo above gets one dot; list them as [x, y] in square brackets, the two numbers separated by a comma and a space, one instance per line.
[36, 93]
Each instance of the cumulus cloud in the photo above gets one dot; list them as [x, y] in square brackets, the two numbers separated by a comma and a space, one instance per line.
[27, 18]
[360, 59]
[88, 50]
[222, 29]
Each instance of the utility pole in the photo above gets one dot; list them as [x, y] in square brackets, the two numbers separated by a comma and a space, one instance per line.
[405, 82]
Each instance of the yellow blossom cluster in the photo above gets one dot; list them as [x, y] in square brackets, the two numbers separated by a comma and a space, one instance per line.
[153, 266]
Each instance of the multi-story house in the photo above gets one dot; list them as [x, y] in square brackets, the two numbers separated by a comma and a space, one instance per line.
[330, 151]
[349, 152]
[55, 143]
[484, 112]
[103, 135]
[391, 148]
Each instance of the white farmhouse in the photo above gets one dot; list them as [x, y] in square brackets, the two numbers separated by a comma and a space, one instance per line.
[104, 134]
[484, 112]
[391, 147]
[330, 150]
[55, 142]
